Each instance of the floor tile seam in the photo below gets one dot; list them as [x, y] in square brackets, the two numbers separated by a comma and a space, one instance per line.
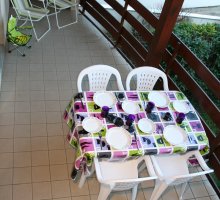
[193, 192]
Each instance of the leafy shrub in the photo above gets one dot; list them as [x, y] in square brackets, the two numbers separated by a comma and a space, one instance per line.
[204, 41]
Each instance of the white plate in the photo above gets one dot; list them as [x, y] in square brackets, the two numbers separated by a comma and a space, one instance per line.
[104, 99]
[160, 99]
[146, 125]
[174, 134]
[181, 106]
[130, 107]
[118, 138]
[92, 124]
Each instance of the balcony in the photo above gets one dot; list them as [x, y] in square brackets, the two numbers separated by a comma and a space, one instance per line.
[36, 160]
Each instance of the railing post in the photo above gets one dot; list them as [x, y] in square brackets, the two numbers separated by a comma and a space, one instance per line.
[163, 31]
[122, 22]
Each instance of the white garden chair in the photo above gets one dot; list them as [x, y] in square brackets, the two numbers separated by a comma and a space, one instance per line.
[26, 11]
[60, 5]
[173, 170]
[99, 76]
[146, 78]
[120, 176]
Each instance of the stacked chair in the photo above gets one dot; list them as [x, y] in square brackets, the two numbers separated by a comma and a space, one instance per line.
[26, 11]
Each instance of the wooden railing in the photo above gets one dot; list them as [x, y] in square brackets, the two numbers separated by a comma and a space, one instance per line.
[137, 54]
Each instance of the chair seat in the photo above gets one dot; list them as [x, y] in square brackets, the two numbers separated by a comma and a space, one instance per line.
[118, 170]
[172, 165]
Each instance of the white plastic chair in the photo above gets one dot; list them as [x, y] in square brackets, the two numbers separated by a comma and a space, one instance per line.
[146, 78]
[120, 176]
[26, 11]
[99, 76]
[173, 170]
[60, 5]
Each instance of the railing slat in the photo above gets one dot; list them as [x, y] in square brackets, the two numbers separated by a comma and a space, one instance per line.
[201, 70]
[196, 90]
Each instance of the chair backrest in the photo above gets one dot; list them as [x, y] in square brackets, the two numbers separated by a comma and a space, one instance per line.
[146, 78]
[183, 159]
[12, 32]
[99, 76]
[130, 166]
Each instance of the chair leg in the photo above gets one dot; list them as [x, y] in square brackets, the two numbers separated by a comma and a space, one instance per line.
[83, 176]
[134, 192]
[183, 190]
[57, 20]
[32, 24]
[160, 187]
[104, 192]
[82, 180]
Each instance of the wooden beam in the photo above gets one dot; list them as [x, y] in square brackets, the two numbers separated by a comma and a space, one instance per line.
[164, 28]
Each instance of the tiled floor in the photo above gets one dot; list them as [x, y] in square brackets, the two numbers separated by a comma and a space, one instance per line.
[35, 159]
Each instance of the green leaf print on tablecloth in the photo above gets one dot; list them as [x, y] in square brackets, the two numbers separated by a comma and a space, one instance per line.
[202, 138]
[179, 149]
[91, 107]
[180, 96]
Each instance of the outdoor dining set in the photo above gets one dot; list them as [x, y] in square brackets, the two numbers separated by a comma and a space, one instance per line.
[119, 133]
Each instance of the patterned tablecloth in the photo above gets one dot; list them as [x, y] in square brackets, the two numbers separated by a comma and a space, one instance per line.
[88, 145]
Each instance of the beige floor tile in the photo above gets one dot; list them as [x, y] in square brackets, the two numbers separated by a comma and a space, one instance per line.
[52, 106]
[170, 193]
[22, 159]
[59, 172]
[55, 142]
[42, 190]
[6, 192]
[22, 192]
[70, 155]
[93, 185]
[60, 189]
[215, 197]
[40, 173]
[7, 119]
[203, 198]
[6, 176]
[22, 106]
[54, 129]
[87, 197]
[140, 195]
[39, 143]
[147, 192]
[22, 175]
[22, 96]
[38, 118]
[52, 95]
[40, 158]
[22, 144]
[6, 160]
[6, 131]
[7, 107]
[198, 189]
[7, 96]
[57, 157]
[22, 131]
[38, 106]
[37, 96]
[188, 192]
[6, 145]
[22, 118]
[53, 117]
[209, 188]
[117, 196]
[76, 191]
[38, 130]
[93, 197]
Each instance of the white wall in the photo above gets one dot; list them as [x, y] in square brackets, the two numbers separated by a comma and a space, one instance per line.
[4, 8]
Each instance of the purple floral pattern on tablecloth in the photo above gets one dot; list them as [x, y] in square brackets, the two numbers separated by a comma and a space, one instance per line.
[89, 145]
